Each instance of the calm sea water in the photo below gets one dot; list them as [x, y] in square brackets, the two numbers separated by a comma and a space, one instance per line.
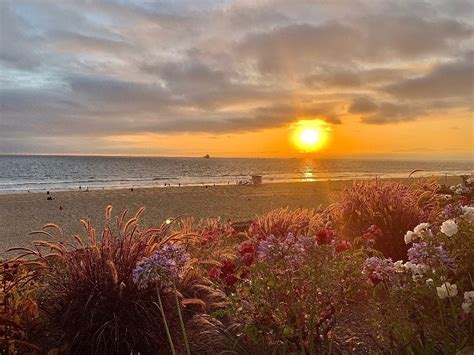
[41, 173]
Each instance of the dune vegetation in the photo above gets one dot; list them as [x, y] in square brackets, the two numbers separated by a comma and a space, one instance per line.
[387, 269]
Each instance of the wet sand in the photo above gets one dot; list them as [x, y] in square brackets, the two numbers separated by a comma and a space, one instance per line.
[24, 212]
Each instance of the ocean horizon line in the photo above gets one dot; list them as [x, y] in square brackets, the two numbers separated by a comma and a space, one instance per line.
[339, 157]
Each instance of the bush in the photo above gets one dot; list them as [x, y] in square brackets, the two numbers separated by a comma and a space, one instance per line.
[393, 207]
[425, 305]
[18, 311]
[291, 284]
[297, 296]
[90, 298]
[282, 221]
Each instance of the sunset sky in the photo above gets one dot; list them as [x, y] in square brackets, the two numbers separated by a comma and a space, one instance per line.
[233, 78]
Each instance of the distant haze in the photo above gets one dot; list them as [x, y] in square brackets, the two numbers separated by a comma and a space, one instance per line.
[231, 78]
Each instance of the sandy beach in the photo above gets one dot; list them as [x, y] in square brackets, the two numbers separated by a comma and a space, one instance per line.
[24, 212]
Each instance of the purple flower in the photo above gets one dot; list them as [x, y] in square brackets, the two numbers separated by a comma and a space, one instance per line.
[290, 248]
[427, 254]
[451, 211]
[163, 266]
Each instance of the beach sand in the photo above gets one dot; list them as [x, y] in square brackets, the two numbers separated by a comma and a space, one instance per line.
[24, 212]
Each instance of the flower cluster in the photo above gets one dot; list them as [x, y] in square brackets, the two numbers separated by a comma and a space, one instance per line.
[164, 266]
[459, 189]
[420, 232]
[468, 213]
[372, 234]
[325, 236]
[227, 273]
[468, 301]
[378, 269]
[451, 210]
[447, 290]
[416, 270]
[426, 254]
[290, 248]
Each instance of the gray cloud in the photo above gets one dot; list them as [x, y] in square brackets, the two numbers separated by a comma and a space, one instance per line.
[452, 79]
[369, 39]
[363, 105]
[390, 112]
[92, 69]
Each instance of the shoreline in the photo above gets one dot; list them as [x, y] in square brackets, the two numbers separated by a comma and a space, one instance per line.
[395, 176]
[22, 213]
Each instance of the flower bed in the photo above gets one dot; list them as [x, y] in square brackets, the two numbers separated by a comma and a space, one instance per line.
[295, 282]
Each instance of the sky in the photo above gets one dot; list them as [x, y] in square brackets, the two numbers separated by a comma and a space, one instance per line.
[234, 78]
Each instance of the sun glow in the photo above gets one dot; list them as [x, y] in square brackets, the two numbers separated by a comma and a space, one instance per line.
[310, 136]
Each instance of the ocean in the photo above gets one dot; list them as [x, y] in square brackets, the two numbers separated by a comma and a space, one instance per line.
[61, 173]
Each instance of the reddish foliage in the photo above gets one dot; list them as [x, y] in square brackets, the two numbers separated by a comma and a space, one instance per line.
[393, 207]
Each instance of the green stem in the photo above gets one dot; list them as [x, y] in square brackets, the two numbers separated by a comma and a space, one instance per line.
[168, 334]
[183, 329]
[440, 311]
[452, 307]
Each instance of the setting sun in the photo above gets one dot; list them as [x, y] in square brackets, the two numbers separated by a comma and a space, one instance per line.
[310, 136]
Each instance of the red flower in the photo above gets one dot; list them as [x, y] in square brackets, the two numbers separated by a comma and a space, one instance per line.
[247, 249]
[343, 245]
[247, 252]
[227, 267]
[325, 236]
[230, 280]
[213, 273]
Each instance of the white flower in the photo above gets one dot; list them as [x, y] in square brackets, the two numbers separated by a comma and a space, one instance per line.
[429, 282]
[417, 277]
[469, 296]
[447, 290]
[409, 237]
[470, 180]
[449, 227]
[423, 230]
[398, 265]
[466, 307]
[468, 212]
[452, 188]
[414, 268]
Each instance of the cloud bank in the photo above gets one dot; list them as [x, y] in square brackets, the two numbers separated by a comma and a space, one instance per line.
[91, 69]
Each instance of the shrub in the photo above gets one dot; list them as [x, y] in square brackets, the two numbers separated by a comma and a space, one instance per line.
[296, 296]
[425, 305]
[209, 240]
[393, 207]
[18, 311]
[282, 221]
[90, 298]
